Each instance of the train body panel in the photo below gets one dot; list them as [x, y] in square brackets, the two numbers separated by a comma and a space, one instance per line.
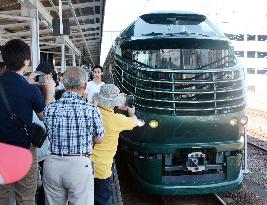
[190, 90]
[186, 129]
[196, 188]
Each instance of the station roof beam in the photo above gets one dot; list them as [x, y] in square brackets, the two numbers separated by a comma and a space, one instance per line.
[85, 20]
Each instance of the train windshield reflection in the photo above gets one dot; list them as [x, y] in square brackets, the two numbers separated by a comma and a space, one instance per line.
[183, 58]
[162, 24]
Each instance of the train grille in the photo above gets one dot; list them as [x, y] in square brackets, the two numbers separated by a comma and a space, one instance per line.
[190, 91]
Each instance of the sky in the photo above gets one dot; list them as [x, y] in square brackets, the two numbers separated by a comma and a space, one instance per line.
[229, 15]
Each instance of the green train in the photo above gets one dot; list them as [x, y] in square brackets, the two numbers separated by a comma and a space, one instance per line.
[190, 89]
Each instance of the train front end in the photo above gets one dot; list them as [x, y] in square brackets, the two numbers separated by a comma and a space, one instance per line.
[190, 90]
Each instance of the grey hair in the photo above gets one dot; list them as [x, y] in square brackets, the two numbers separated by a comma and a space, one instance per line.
[75, 78]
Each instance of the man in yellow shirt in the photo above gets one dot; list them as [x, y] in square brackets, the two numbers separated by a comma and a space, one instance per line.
[109, 97]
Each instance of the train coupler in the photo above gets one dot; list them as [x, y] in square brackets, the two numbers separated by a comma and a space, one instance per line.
[196, 162]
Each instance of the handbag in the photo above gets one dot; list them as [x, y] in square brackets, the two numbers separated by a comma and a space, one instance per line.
[35, 132]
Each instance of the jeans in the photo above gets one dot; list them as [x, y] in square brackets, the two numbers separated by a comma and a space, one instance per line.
[103, 191]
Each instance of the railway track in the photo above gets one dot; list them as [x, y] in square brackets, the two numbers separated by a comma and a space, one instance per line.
[257, 146]
[220, 200]
[116, 195]
[210, 199]
[257, 136]
[255, 112]
[257, 139]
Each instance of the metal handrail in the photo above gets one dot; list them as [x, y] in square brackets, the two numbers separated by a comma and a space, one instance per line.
[187, 91]
[191, 109]
[179, 109]
[211, 93]
[180, 81]
[178, 101]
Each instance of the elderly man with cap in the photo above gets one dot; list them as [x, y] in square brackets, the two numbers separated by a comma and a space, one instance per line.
[109, 97]
[73, 125]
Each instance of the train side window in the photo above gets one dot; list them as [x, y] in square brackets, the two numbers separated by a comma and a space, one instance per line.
[262, 71]
[251, 54]
[251, 70]
[239, 53]
[251, 37]
[262, 38]
[183, 58]
[262, 54]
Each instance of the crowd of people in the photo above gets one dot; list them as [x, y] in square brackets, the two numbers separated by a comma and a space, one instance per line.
[80, 122]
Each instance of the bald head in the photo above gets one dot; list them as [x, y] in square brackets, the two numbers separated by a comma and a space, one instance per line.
[75, 78]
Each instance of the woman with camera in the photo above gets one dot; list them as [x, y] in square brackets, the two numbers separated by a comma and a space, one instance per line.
[109, 97]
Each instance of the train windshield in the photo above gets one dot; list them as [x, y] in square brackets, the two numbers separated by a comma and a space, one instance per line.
[175, 25]
[183, 58]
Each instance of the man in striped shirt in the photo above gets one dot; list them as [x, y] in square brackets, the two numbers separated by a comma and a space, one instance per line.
[73, 125]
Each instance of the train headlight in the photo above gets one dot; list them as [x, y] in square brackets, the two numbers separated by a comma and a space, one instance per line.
[153, 123]
[244, 120]
[233, 121]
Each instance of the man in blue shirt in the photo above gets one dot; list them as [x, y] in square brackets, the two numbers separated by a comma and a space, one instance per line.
[73, 125]
[23, 98]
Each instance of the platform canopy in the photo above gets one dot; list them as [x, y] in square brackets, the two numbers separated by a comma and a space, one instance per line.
[33, 20]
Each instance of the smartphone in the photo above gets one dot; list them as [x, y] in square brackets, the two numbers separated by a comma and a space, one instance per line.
[129, 100]
[40, 78]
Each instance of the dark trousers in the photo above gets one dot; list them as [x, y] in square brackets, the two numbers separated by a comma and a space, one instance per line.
[103, 191]
[40, 197]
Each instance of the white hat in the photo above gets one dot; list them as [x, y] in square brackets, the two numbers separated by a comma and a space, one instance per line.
[109, 96]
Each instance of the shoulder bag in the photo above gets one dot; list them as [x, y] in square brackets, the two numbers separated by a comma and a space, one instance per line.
[35, 132]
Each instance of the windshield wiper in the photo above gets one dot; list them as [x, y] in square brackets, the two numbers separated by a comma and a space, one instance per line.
[152, 34]
[186, 33]
[200, 34]
[178, 33]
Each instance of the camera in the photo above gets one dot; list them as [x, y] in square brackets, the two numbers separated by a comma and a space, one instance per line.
[40, 78]
[129, 100]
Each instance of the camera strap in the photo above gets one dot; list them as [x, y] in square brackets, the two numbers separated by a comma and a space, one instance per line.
[20, 123]
[105, 109]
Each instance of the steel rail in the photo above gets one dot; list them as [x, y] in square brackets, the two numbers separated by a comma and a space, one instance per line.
[257, 146]
[116, 196]
[164, 200]
[219, 199]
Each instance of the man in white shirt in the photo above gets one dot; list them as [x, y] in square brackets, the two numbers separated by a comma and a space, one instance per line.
[94, 85]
